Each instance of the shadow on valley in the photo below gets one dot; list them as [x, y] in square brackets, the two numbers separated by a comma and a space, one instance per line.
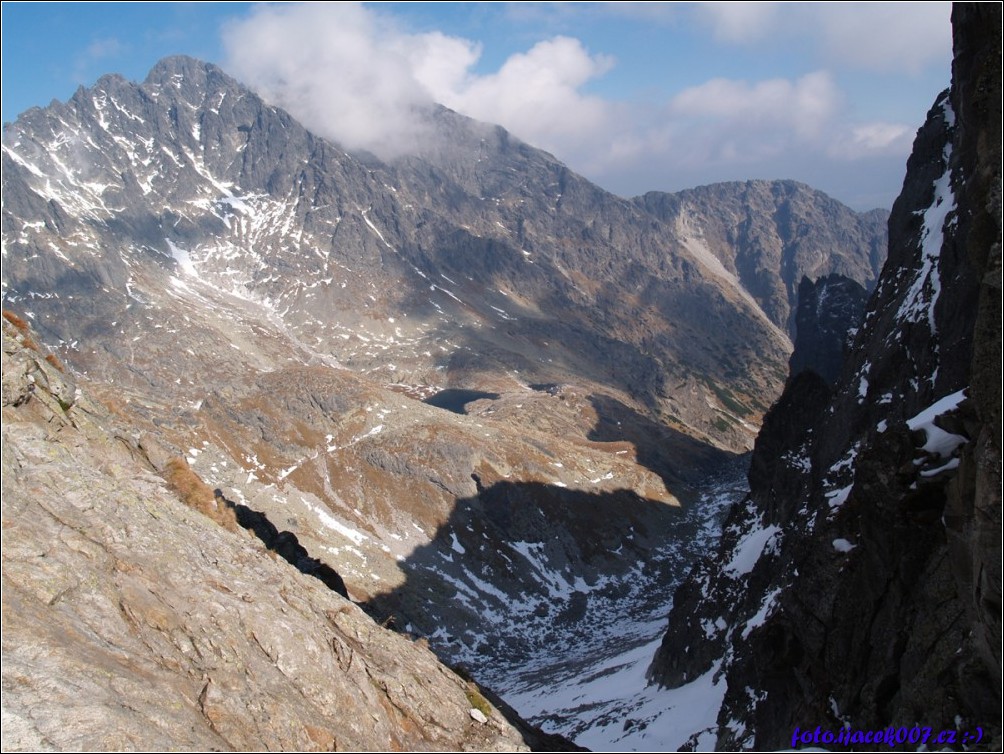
[284, 544]
[526, 583]
[679, 459]
[524, 573]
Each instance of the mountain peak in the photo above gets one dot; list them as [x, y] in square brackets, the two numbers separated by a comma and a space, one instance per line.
[179, 65]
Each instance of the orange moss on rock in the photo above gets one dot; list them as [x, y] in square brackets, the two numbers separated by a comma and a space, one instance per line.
[55, 362]
[197, 494]
[15, 320]
[23, 327]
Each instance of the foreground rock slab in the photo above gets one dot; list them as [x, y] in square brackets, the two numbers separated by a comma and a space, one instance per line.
[132, 621]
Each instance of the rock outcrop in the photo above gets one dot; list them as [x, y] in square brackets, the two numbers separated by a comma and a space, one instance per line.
[859, 585]
[826, 314]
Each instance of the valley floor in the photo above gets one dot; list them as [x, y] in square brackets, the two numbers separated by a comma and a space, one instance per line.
[596, 692]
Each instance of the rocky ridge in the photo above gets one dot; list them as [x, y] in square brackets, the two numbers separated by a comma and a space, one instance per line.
[859, 583]
[507, 268]
[770, 235]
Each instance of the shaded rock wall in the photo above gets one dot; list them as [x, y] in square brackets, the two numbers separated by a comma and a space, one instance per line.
[861, 578]
[827, 310]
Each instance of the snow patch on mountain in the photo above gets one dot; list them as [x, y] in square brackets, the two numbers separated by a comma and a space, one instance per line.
[922, 296]
[939, 442]
[182, 258]
[750, 548]
[597, 692]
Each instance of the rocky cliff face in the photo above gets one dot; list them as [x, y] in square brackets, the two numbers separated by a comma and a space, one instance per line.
[133, 620]
[769, 235]
[859, 584]
[826, 314]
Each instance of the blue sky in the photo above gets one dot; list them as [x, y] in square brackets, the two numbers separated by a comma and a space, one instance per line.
[636, 96]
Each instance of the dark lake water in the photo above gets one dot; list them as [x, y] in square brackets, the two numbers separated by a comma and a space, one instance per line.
[456, 399]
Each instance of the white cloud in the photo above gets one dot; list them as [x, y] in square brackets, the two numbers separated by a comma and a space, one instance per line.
[738, 123]
[885, 37]
[351, 74]
[737, 21]
[537, 95]
[726, 129]
[342, 70]
[439, 62]
[802, 107]
[869, 139]
[882, 37]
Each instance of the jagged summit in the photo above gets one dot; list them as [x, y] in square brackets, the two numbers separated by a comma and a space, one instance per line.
[191, 166]
[187, 66]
